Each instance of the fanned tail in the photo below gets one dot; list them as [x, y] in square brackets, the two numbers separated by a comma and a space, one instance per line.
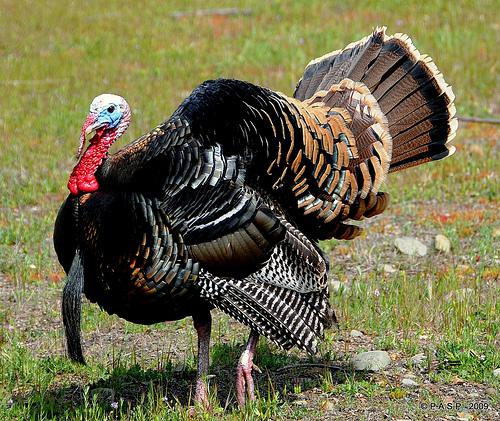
[408, 87]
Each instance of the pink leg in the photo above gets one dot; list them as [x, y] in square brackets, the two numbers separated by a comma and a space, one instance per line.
[244, 378]
[203, 325]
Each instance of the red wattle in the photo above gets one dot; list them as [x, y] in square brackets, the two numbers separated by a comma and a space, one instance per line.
[82, 179]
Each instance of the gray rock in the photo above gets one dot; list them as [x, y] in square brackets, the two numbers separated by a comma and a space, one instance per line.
[300, 403]
[356, 333]
[386, 268]
[327, 406]
[409, 383]
[338, 287]
[389, 268]
[410, 246]
[496, 372]
[490, 391]
[371, 361]
[419, 359]
[179, 368]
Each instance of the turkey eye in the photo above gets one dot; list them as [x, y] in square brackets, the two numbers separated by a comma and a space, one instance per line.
[111, 109]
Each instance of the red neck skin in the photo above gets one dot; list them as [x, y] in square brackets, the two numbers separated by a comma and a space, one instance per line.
[82, 179]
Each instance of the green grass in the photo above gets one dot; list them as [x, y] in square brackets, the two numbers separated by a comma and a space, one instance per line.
[56, 57]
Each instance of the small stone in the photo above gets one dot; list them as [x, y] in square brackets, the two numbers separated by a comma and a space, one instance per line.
[356, 333]
[490, 391]
[386, 268]
[496, 372]
[473, 395]
[179, 368]
[419, 359]
[410, 246]
[389, 268]
[409, 382]
[327, 406]
[465, 416]
[441, 243]
[371, 361]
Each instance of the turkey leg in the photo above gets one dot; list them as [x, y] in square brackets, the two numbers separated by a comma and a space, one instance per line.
[203, 325]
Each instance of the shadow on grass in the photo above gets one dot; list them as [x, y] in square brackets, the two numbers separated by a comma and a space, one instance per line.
[125, 391]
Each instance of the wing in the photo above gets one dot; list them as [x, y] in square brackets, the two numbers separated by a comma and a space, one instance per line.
[226, 225]
[320, 161]
[283, 315]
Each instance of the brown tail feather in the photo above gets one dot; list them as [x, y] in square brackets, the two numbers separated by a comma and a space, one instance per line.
[408, 87]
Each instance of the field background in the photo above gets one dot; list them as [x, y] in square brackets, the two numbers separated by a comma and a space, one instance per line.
[55, 57]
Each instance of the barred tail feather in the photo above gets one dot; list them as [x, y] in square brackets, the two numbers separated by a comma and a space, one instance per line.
[408, 87]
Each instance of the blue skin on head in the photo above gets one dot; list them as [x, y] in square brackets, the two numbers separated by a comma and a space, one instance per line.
[111, 116]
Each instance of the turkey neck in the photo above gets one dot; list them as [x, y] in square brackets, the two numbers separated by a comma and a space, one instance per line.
[83, 179]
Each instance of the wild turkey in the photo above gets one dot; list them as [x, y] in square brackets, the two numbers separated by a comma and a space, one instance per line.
[223, 204]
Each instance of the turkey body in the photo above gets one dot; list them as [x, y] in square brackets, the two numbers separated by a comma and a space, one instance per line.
[223, 204]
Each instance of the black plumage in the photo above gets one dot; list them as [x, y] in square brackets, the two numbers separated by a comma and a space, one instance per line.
[223, 204]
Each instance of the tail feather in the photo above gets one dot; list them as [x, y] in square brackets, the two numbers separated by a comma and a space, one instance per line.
[417, 113]
[409, 89]
[397, 56]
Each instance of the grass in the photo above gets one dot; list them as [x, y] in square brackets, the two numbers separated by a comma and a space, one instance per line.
[56, 58]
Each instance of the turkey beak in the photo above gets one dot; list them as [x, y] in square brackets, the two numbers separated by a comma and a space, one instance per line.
[91, 125]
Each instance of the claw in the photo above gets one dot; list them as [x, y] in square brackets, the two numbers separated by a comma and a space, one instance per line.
[257, 369]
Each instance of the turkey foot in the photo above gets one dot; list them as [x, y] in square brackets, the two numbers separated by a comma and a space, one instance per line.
[244, 379]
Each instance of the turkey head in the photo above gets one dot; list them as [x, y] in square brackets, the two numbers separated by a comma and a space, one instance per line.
[108, 118]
